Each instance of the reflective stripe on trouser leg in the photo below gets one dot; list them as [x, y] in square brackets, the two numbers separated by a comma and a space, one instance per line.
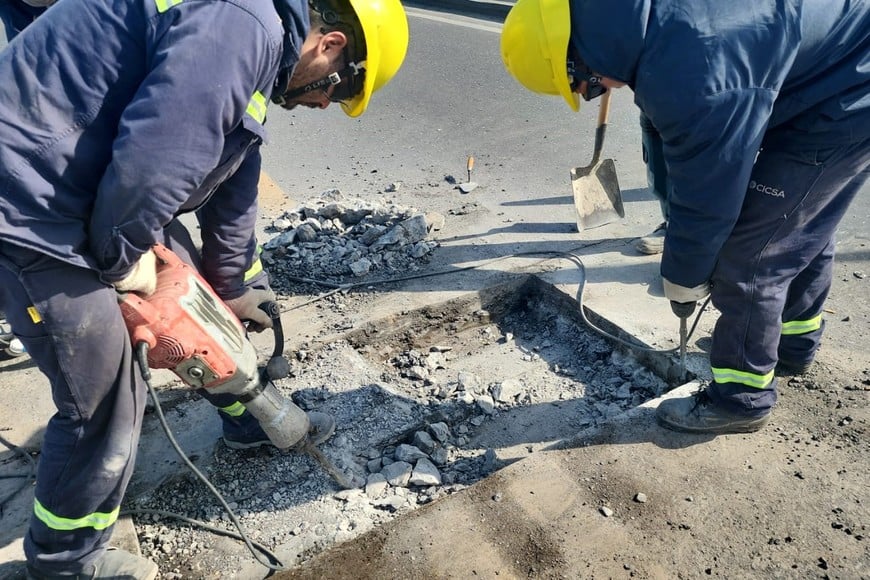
[802, 320]
[89, 448]
[792, 207]
[234, 410]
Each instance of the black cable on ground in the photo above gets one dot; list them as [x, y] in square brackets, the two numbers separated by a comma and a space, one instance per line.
[274, 564]
[29, 478]
[578, 261]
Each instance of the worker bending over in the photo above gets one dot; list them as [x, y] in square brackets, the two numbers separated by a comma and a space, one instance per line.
[115, 117]
[763, 112]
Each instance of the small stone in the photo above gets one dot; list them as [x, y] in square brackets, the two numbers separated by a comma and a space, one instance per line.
[640, 498]
[408, 453]
[306, 233]
[440, 456]
[376, 485]
[397, 473]
[424, 442]
[361, 267]
[486, 404]
[440, 431]
[605, 511]
[425, 473]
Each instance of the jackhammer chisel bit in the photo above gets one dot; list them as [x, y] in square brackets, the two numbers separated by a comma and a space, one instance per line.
[684, 331]
[683, 310]
[329, 467]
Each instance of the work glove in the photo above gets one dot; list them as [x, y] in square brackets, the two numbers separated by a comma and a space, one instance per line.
[683, 299]
[247, 308]
[142, 278]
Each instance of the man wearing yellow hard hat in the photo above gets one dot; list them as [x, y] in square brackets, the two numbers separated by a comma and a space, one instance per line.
[118, 116]
[762, 110]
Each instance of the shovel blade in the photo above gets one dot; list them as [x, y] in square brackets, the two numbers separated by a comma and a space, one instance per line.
[597, 197]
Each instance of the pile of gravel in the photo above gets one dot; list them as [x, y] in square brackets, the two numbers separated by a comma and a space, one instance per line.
[336, 238]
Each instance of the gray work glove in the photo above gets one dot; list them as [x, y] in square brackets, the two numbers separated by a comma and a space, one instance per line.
[677, 293]
[247, 308]
[142, 278]
[683, 299]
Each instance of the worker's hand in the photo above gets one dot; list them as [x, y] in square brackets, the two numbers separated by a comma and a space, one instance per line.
[683, 299]
[677, 293]
[142, 278]
[247, 308]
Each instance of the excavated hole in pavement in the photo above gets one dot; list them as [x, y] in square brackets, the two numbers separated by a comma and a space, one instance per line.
[427, 403]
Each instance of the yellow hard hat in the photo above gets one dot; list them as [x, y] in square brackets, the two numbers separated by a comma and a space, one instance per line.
[534, 47]
[385, 28]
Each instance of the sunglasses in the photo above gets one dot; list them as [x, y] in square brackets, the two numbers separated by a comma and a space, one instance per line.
[579, 73]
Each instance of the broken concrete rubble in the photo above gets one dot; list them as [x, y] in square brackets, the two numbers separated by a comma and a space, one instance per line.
[399, 437]
[338, 237]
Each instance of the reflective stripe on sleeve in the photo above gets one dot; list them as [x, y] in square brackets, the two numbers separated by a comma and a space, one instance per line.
[164, 5]
[255, 269]
[96, 520]
[257, 107]
[233, 410]
[742, 377]
[802, 326]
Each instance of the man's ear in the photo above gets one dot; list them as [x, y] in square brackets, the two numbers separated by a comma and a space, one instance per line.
[332, 43]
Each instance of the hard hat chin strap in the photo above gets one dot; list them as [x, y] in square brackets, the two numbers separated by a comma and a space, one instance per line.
[347, 83]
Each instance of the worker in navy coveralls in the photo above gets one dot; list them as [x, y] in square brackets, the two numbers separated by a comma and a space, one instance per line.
[116, 116]
[763, 111]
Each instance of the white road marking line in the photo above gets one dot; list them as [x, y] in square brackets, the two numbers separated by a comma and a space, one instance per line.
[455, 20]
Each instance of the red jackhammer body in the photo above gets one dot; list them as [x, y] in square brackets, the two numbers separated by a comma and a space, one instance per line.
[190, 331]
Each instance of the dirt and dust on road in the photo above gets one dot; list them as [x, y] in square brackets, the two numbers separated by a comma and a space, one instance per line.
[489, 432]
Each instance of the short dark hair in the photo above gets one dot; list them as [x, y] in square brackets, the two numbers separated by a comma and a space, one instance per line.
[330, 15]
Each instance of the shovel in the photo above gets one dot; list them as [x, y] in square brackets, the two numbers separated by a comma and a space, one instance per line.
[469, 185]
[597, 198]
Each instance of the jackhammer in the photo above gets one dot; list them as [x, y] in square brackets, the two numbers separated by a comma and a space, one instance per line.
[190, 331]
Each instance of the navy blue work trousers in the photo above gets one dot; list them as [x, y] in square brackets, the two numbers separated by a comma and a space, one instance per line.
[777, 265]
[72, 327]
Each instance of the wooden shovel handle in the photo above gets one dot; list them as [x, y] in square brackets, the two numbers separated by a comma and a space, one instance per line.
[604, 108]
[603, 112]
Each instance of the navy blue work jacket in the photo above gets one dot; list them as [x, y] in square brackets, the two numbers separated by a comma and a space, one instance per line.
[118, 115]
[720, 79]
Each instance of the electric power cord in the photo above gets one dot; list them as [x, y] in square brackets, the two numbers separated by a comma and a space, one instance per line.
[571, 256]
[275, 564]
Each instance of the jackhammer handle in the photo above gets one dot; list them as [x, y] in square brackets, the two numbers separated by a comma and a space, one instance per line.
[603, 113]
[277, 367]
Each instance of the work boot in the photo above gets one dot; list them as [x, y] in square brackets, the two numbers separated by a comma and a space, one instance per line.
[653, 243]
[244, 431]
[15, 348]
[785, 368]
[10, 345]
[116, 564]
[697, 413]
